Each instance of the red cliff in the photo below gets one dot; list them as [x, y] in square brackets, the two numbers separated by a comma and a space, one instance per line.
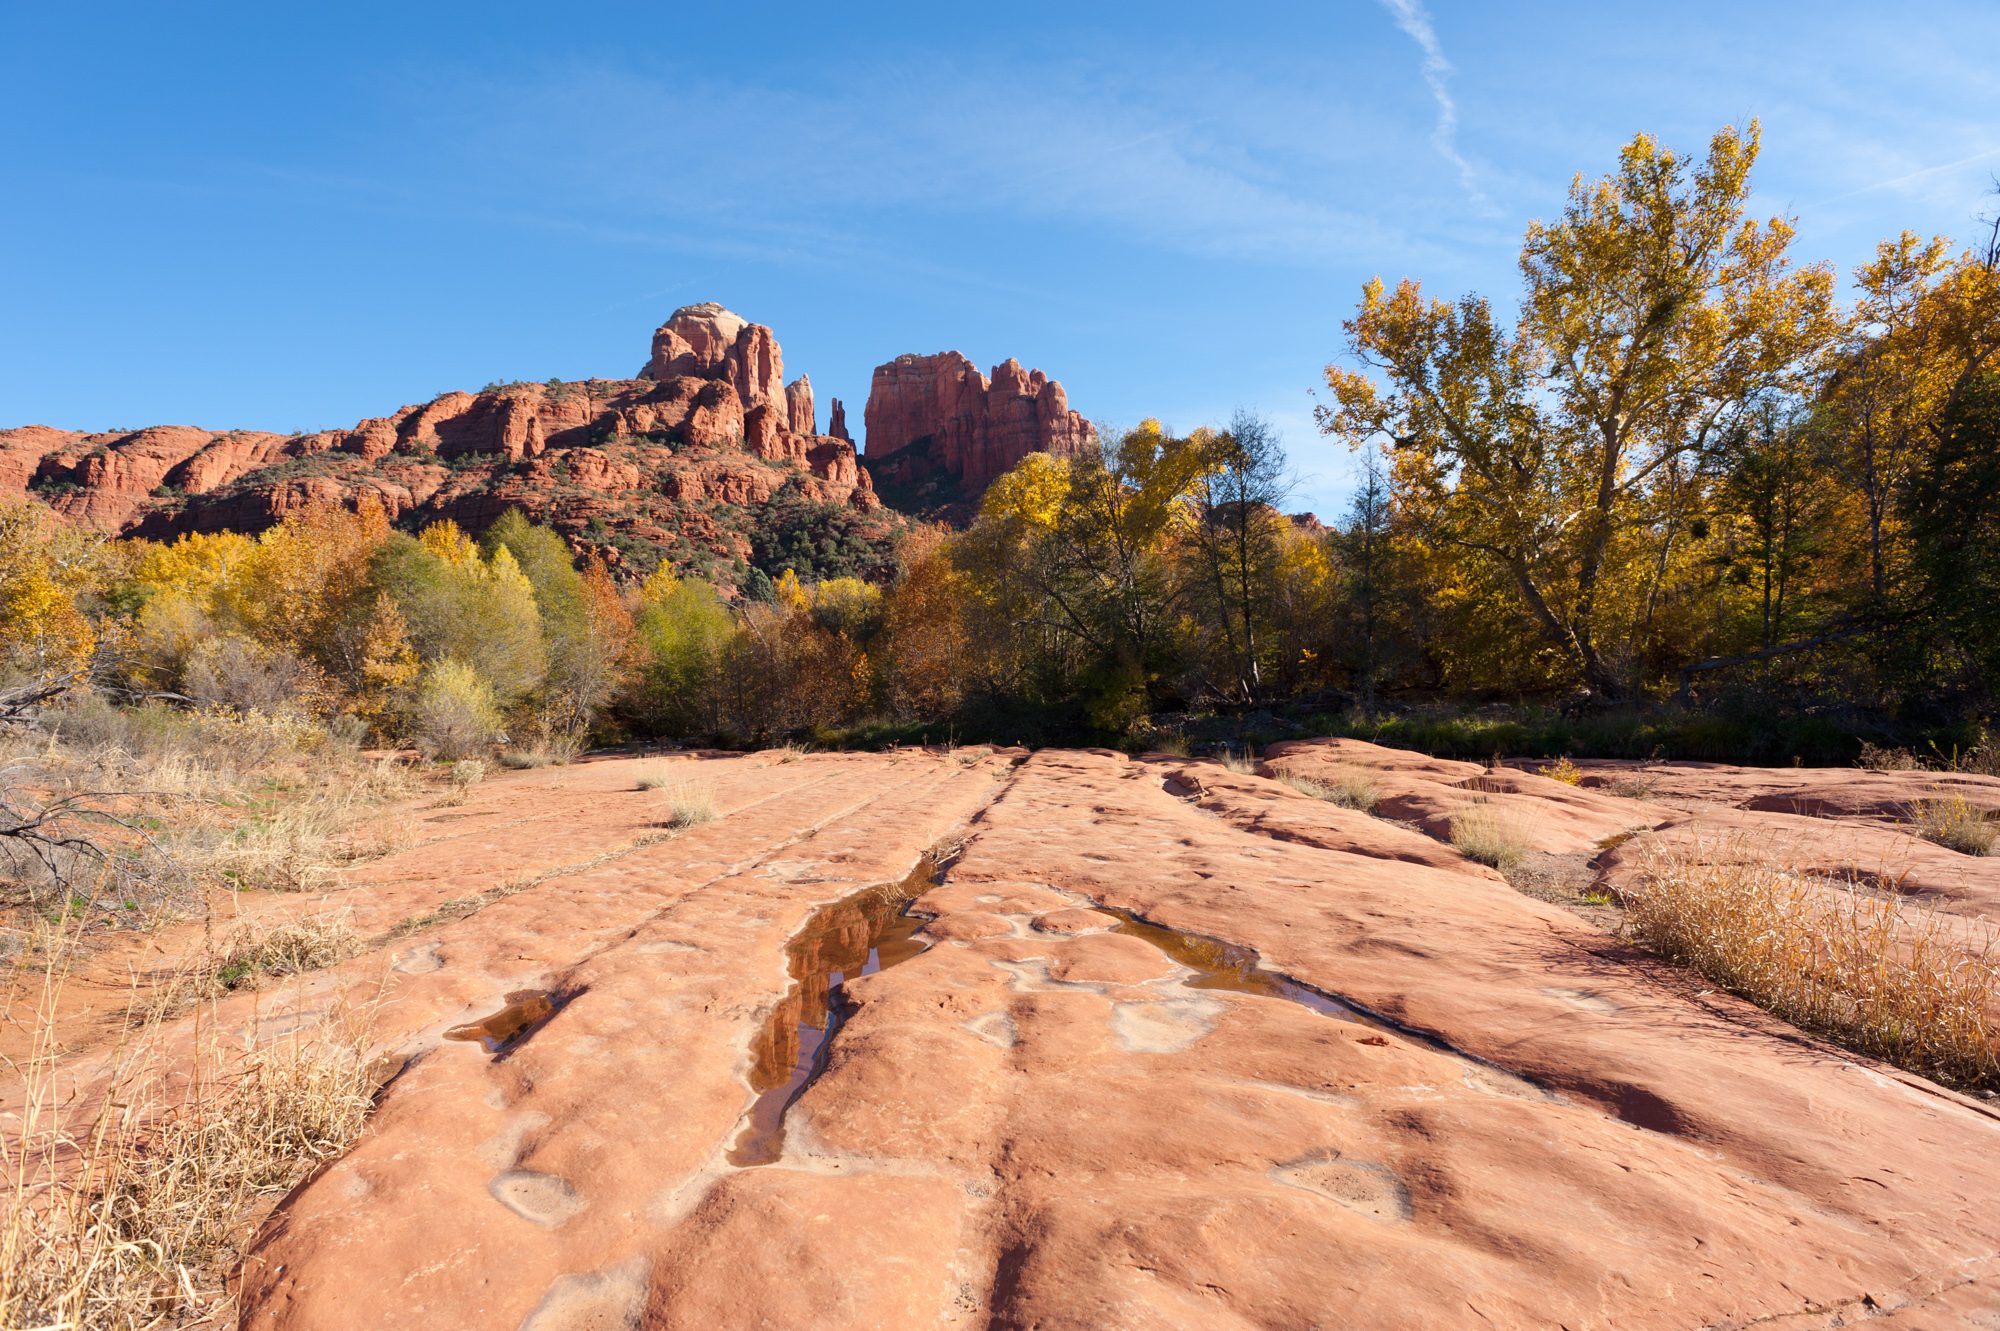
[937, 416]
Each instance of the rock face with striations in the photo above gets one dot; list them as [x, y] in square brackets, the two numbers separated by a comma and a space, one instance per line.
[799, 405]
[709, 422]
[938, 416]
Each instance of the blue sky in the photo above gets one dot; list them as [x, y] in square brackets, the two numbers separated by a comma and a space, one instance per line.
[256, 216]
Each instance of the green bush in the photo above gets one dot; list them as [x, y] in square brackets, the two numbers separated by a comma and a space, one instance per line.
[454, 715]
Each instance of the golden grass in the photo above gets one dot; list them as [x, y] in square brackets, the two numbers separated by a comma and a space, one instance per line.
[1863, 969]
[555, 750]
[656, 776]
[1954, 822]
[1244, 763]
[690, 804]
[287, 841]
[257, 949]
[1347, 788]
[126, 1208]
[1494, 834]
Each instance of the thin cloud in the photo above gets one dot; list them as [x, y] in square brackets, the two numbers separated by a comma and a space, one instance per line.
[968, 141]
[1411, 17]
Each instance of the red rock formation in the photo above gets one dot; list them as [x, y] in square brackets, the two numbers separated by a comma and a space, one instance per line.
[836, 425]
[708, 342]
[937, 415]
[799, 405]
[710, 419]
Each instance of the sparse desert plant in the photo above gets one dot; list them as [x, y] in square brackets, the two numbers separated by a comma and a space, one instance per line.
[1878, 758]
[1861, 968]
[1954, 822]
[1244, 763]
[552, 750]
[1492, 834]
[1172, 743]
[656, 776]
[257, 948]
[125, 1210]
[1634, 787]
[690, 803]
[1349, 789]
[462, 776]
[287, 946]
[1563, 770]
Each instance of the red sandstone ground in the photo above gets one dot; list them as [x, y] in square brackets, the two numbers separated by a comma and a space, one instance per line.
[1035, 1122]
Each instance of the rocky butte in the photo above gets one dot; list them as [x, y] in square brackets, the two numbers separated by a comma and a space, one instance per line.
[937, 418]
[706, 427]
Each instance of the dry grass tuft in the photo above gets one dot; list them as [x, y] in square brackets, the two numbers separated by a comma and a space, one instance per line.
[1955, 823]
[1244, 763]
[275, 946]
[690, 804]
[1348, 789]
[657, 776]
[1862, 969]
[1494, 834]
[555, 750]
[127, 1213]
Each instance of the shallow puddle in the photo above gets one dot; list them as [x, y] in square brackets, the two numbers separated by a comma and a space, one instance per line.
[525, 1008]
[866, 933]
[1229, 966]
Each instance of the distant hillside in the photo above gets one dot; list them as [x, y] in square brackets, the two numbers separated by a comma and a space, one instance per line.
[707, 460]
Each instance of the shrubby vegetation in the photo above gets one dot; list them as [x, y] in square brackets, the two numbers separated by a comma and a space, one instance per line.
[1681, 471]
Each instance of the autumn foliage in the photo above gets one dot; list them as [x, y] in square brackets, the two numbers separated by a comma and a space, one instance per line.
[1674, 463]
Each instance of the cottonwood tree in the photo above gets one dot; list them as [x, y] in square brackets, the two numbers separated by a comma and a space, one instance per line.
[1926, 327]
[1653, 311]
[1069, 558]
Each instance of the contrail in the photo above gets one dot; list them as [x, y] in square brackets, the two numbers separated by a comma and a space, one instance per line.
[1411, 17]
[1908, 176]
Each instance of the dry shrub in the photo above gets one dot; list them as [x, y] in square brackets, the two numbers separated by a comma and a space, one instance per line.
[1563, 770]
[1955, 823]
[186, 799]
[1862, 969]
[1494, 834]
[127, 1211]
[1877, 758]
[690, 804]
[1347, 788]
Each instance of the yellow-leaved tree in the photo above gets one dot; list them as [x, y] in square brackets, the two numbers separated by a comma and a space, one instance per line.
[46, 570]
[1564, 452]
